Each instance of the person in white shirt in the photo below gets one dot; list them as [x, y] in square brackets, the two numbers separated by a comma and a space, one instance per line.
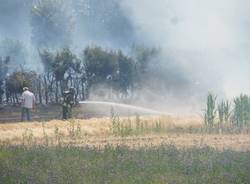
[28, 103]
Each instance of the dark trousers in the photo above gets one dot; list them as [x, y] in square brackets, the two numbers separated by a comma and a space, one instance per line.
[26, 112]
[67, 112]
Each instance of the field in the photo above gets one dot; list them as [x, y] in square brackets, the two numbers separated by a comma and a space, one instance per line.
[123, 150]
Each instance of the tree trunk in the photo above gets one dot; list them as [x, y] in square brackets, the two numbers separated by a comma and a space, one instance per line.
[46, 90]
[77, 89]
[7, 97]
[17, 101]
[56, 91]
[83, 90]
[40, 90]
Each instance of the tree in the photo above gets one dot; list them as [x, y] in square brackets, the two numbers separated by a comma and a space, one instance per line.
[47, 59]
[100, 64]
[144, 58]
[101, 67]
[126, 72]
[63, 68]
[3, 73]
[16, 81]
[110, 68]
[52, 23]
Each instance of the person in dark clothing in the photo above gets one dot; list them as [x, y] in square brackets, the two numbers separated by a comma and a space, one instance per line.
[68, 102]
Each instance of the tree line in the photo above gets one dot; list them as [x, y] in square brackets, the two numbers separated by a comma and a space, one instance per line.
[117, 73]
[55, 26]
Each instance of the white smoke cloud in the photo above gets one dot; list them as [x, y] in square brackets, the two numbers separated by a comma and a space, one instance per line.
[209, 38]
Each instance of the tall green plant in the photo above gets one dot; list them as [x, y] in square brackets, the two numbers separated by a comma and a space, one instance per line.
[224, 111]
[227, 111]
[221, 107]
[210, 111]
[242, 110]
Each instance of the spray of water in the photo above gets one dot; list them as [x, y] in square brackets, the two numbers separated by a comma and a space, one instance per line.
[136, 108]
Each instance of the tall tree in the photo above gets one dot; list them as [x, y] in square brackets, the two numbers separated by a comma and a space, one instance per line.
[47, 59]
[63, 68]
[100, 64]
[126, 72]
[3, 74]
[17, 80]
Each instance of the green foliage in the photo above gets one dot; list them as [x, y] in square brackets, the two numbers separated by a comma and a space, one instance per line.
[63, 62]
[116, 124]
[113, 69]
[100, 63]
[221, 112]
[224, 112]
[158, 126]
[45, 135]
[17, 80]
[227, 111]
[235, 120]
[210, 111]
[126, 68]
[124, 127]
[74, 130]
[47, 59]
[3, 74]
[242, 110]
[122, 164]
[28, 137]
[109, 67]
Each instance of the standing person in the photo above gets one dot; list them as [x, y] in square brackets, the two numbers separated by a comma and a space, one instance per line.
[28, 103]
[68, 102]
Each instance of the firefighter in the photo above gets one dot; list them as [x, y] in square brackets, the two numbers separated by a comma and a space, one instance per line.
[68, 102]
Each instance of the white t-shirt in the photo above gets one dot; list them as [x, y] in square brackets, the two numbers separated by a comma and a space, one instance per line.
[28, 98]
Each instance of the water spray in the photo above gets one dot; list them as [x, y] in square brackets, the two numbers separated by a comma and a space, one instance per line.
[113, 104]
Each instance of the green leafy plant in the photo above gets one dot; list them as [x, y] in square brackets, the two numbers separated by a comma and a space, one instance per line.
[210, 111]
[242, 110]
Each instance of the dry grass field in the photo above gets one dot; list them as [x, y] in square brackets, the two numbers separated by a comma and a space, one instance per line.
[98, 132]
[123, 150]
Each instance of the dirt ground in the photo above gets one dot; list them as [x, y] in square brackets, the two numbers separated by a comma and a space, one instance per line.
[10, 113]
[97, 132]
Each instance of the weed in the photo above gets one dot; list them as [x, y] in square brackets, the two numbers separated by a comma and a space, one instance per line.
[28, 137]
[242, 110]
[45, 136]
[120, 164]
[158, 126]
[210, 112]
[74, 130]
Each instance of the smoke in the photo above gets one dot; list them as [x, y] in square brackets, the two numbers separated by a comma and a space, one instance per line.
[14, 19]
[208, 38]
[204, 43]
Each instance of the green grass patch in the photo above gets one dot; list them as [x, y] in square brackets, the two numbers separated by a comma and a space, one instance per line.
[120, 164]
